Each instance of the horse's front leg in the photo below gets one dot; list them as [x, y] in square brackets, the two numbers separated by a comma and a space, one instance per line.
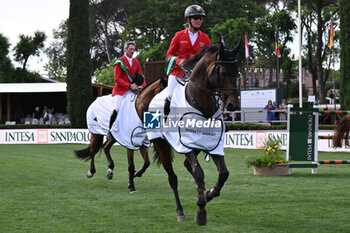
[107, 148]
[131, 169]
[146, 163]
[198, 175]
[223, 175]
[165, 156]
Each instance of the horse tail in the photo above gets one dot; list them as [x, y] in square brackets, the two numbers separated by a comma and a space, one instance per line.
[161, 146]
[342, 132]
[96, 142]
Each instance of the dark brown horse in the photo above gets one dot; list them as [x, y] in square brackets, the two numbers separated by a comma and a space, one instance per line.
[96, 141]
[213, 77]
[342, 132]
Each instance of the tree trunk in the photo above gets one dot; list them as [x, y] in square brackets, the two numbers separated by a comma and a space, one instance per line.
[344, 54]
[106, 41]
[321, 84]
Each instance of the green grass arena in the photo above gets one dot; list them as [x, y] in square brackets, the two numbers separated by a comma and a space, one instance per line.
[44, 189]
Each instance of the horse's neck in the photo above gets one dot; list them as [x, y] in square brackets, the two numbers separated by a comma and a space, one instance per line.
[202, 100]
[143, 101]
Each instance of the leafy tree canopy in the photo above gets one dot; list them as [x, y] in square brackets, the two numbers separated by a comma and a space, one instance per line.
[29, 46]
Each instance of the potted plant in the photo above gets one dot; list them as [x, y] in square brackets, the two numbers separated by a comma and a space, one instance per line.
[270, 161]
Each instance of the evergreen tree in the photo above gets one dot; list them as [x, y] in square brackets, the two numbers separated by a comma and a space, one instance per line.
[79, 93]
[344, 54]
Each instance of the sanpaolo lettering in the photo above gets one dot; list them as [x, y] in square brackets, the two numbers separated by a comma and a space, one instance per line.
[67, 136]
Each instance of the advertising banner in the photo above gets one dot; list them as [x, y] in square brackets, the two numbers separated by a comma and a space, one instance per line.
[233, 139]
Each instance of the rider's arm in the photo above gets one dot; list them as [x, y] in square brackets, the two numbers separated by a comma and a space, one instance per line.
[173, 49]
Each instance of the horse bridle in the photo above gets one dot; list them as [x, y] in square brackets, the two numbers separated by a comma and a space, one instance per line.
[214, 94]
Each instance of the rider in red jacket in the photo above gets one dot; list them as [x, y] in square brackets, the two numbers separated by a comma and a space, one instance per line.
[185, 44]
[125, 71]
[128, 77]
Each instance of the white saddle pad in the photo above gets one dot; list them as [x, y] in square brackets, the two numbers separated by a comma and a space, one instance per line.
[128, 129]
[99, 114]
[186, 128]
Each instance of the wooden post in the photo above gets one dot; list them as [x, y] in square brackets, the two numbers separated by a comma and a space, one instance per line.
[9, 107]
[0, 107]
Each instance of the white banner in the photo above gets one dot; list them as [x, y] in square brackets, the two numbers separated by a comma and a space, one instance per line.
[233, 139]
[255, 139]
[44, 136]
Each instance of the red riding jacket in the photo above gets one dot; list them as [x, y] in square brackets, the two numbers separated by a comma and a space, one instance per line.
[122, 82]
[181, 46]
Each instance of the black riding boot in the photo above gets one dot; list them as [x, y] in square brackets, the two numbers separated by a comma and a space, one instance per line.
[166, 108]
[111, 121]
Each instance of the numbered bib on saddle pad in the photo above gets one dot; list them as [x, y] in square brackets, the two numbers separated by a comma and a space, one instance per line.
[139, 137]
[198, 132]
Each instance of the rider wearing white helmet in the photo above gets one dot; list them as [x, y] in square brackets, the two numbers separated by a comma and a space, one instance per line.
[184, 44]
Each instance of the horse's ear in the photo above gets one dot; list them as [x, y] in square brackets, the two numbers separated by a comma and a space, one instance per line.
[221, 52]
[237, 47]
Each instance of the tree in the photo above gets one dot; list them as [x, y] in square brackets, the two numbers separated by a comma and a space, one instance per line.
[107, 18]
[6, 67]
[345, 53]
[265, 36]
[79, 93]
[233, 31]
[56, 52]
[29, 46]
[322, 10]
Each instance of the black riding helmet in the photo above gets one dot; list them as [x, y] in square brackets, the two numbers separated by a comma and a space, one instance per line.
[193, 10]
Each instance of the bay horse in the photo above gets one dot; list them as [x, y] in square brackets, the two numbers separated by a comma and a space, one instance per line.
[96, 142]
[213, 77]
[341, 132]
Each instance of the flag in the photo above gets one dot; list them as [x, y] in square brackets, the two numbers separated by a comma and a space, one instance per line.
[277, 46]
[246, 47]
[331, 36]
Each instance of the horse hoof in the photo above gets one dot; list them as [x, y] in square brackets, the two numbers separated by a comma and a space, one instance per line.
[181, 218]
[89, 174]
[138, 174]
[201, 217]
[133, 191]
[109, 174]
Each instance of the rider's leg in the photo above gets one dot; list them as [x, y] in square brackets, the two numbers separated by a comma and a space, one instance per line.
[172, 84]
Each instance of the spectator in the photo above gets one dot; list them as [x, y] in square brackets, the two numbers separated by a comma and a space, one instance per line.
[47, 115]
[19, 115]
[36, 113]
[283, 106]
[270, 115]
[331, 97]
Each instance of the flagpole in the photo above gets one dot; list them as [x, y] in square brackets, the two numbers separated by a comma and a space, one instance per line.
[300, 62]
[247, 75]
[334, 95]
[278, 63]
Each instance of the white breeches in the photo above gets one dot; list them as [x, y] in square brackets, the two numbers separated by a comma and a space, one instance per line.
[172, 84]
[118, 99]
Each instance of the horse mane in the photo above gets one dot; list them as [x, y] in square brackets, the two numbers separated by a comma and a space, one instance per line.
[163, 84]
[200, 54]
[342, 132]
